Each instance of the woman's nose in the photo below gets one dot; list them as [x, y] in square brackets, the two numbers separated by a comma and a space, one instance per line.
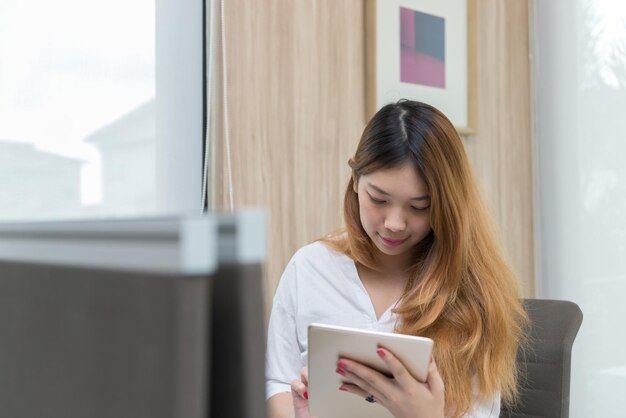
[395, 221]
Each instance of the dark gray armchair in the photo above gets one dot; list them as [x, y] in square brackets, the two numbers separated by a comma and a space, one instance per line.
[545, 364]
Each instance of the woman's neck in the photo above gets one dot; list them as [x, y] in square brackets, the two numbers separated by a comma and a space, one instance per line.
[393, 265]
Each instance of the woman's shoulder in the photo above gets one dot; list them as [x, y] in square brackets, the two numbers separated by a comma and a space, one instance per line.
[313, 268]
[317, 252]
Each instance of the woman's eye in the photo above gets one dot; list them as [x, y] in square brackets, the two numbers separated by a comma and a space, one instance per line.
[377, 201]
[420, 209]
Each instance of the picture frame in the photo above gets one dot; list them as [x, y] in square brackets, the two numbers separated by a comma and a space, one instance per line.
[438, 69]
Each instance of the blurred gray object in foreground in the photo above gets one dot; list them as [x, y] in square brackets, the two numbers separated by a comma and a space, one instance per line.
[133, 318]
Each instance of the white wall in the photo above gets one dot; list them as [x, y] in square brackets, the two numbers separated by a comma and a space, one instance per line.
[580, 111]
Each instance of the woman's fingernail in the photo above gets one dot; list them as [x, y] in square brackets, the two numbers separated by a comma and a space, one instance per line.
[306, 395]
[345, 389]
[342, 365]
[381, 352]
[340, 371]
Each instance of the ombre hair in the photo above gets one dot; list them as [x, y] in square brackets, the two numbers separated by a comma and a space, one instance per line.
[461, 292]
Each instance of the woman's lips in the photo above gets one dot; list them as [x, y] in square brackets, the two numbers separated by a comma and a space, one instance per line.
[392, 242]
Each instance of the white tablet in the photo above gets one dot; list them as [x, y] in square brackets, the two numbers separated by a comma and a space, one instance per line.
[327, 343]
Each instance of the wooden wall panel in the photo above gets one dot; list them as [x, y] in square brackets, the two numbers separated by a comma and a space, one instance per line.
[296, 103]
[296, 72]
[501, 152]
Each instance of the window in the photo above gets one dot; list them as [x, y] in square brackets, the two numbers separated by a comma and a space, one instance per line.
[100, 107]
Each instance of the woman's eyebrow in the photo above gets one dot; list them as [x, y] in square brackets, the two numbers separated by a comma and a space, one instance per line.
[381, 191]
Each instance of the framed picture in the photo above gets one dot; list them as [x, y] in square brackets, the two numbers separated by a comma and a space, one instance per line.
[422, 50]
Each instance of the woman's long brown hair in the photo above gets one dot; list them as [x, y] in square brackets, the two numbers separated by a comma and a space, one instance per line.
[461, 292]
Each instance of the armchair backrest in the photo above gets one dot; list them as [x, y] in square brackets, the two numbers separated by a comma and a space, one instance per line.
[545, 365]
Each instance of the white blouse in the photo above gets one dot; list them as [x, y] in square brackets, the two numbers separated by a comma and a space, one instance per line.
[322, 285]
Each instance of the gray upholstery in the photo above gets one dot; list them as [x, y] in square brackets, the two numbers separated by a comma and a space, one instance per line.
[545, 364]
[89, 343]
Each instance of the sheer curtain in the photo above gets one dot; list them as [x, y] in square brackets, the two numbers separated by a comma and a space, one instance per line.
[580, 74]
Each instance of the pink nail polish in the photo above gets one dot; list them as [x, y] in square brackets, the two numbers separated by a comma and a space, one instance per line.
[340, 371]
[306, 395]
[342, 365]
[345, 389]
[380, 352]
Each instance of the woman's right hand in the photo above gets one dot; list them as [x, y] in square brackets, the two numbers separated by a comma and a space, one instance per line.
[300, 395]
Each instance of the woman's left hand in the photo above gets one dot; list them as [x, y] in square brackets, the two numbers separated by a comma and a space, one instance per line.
[402, 395]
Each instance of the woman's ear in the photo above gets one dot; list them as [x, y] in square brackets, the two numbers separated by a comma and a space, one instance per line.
[355, 178]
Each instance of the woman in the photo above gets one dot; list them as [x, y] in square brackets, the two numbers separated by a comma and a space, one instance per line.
[417, 256]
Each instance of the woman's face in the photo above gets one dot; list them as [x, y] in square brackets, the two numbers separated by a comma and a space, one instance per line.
[395, 208]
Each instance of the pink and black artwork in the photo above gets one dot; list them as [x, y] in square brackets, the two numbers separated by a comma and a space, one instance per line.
[422, 49]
